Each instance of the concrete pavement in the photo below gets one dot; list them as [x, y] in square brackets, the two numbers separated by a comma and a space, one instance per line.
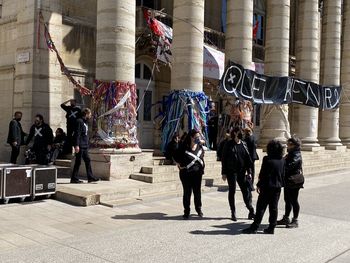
[154, 231]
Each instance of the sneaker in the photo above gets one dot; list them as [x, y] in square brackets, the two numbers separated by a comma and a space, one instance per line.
[76, 181]
[93, 180]
[251, 215]
[249, 230]
[293, 224]
[269, 230]
[284, 221]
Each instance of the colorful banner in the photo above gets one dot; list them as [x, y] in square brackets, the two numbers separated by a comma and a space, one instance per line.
[261, 89]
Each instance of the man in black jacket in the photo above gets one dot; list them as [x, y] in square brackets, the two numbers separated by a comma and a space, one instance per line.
[81, 148]
[72, 114]
[15, 136]
[43, 137]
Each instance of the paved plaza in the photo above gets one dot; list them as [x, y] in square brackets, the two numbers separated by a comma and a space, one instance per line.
[154, 231]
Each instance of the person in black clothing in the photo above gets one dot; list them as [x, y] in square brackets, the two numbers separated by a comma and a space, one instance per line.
[222, 144]
[236, 162]
[213, 130]
[72, 114]
[269, 187]
[172, 147]
[43, 137]
[58, 144]
[293, 166]
[15, 136]
[189, 159]
[81, 148]
[250, 140]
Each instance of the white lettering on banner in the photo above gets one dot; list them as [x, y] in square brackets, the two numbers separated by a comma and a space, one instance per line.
[337, 95]
[288, 90]
[257, 88]
[317, 99]
[232, 78]
[327, 97]
[295, 91]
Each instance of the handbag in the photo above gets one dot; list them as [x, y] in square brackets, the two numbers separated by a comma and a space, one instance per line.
[296, 179]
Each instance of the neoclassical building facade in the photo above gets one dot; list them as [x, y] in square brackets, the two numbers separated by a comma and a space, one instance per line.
[109, 40]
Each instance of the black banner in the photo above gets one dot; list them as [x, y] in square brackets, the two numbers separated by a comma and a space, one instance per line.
[261, 89]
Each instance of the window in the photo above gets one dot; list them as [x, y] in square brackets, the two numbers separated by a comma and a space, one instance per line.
[258, 28]
[147, 106]
[148, 3]
[142, 71]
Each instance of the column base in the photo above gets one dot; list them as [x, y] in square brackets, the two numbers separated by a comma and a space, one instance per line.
[312, 148]
[338, 148]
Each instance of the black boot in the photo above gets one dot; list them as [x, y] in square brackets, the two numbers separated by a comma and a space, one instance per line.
[186, 214]
[251, 214]
[284, 221]
[269, 230]
[293, 224]
[199, 212]
[233, 216]
[250, 230]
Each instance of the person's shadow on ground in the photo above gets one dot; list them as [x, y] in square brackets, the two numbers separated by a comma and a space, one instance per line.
[163, 216]
[227, 229]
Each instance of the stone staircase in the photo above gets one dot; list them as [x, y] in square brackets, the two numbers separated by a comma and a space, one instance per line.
[157, 179]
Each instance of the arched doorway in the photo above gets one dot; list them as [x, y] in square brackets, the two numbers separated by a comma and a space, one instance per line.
[145, 99]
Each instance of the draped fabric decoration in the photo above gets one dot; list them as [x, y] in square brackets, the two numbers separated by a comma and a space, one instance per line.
[236, 114]
[114, 115]
[182, 106]
[51, 46]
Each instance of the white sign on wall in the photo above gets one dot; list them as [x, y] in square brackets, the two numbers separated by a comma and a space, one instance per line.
[23, 57]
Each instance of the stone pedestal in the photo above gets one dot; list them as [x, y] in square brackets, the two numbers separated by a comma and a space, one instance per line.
[118, 165]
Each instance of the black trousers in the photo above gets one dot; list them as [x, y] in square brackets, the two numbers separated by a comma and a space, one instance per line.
[191, 182]
[267, 197]
[41, 154]
[14, 153]
[82, 154]
[69, 140]
[291, 199]
[245, 189]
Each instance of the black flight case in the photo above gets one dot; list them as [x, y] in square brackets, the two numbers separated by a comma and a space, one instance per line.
[44, 180]
[16, 182]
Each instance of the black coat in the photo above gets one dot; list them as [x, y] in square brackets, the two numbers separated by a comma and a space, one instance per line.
[235, 158]
[72, 114]
[81, 134]
[43, 136]
[271, 173]
[171, 149]
[293, 166]
[184, 159]
[251, 144]
[220, 149]
[16, 133]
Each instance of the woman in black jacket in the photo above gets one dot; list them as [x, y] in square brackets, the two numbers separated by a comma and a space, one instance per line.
[269, 187]
[189, 159]
[291, 190]
[236, 167]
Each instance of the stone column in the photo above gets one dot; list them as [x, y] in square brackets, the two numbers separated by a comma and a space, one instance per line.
[345, 78]
[305, 119]
[274, 119]
[187, 46]
[239, 32]
[115, 47]
[330, 70]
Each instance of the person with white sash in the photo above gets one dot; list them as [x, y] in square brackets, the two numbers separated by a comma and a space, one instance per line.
[189, 159]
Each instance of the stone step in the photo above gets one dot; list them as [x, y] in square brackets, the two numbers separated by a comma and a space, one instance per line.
[63, 162]
[159, 169]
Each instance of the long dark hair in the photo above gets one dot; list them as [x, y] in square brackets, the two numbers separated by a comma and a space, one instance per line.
[191, 134]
